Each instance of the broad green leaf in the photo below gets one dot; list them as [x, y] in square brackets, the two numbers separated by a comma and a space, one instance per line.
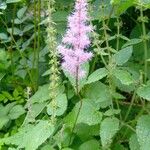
[90, 145]
[123, 55]
[144, 92]
[21, 12]
[108, 129]
[61, 105]
[133, 143]
[124, 76]
[123, 6]
[16, 112]
[98, 93]
[143, 132]
[3, 36]
[36, 109]
[97, 75]
[89, 114]
[3, 121]
[12, 1]
[132, 42]
[42, 94]
[31, 137]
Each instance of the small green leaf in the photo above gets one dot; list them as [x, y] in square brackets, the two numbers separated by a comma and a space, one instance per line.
[3, 121]
[97, 75]
[90, 145]
[21, 12]
[12, 1]
[133, 143]
[144, 92]
[124, 76]
[16, 112]
[108, 129]
[123, 55]
[143, 132]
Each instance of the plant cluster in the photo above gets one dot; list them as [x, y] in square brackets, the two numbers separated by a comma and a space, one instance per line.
[74, 75]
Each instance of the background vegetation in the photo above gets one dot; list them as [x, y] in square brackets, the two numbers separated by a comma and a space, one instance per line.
[38, 111]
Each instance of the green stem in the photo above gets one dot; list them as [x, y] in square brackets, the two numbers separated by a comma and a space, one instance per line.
[145, 45]
[130, 107]
[18, 49]
[118, 32]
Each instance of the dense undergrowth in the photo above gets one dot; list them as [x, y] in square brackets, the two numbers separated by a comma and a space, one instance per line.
[84, 92]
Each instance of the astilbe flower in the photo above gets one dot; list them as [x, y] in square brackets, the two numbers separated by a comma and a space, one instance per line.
[76, 40]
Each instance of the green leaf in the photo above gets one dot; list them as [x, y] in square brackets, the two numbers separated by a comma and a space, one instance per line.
[123, 6]
[97, 75]
[98, 93]
[124, 76]
[90, 145]
[143, 132]
[3, 121]
[111, 112]
[21, 12]
[144, 92]
[133, 143]
[1, 76]
[61, 105]
[36, 109]
[132, 42]
[108, 129]
[89, 114]
[3, 36]
[31, 137]
[16, 112]
[42, 94]
[12, 1]
[123, 55]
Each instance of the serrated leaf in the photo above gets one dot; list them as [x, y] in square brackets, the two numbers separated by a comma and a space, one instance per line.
[123, 55]
[42, 94]
[89, 114]
[16, 112]
[99, 94]
[108, 129]
[143, 132]
[133, 143]
[124, 76]
[90, 145]
[61, 105]
[97, 75]
[31, 137]
[144, 92]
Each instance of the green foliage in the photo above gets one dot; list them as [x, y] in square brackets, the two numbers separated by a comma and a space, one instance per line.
[143, 132]
[110, 108]
[108, 129]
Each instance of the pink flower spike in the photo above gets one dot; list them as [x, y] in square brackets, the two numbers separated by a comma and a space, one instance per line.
[76, 40]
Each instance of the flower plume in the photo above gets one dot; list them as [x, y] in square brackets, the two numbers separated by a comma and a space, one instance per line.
[76, 40]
